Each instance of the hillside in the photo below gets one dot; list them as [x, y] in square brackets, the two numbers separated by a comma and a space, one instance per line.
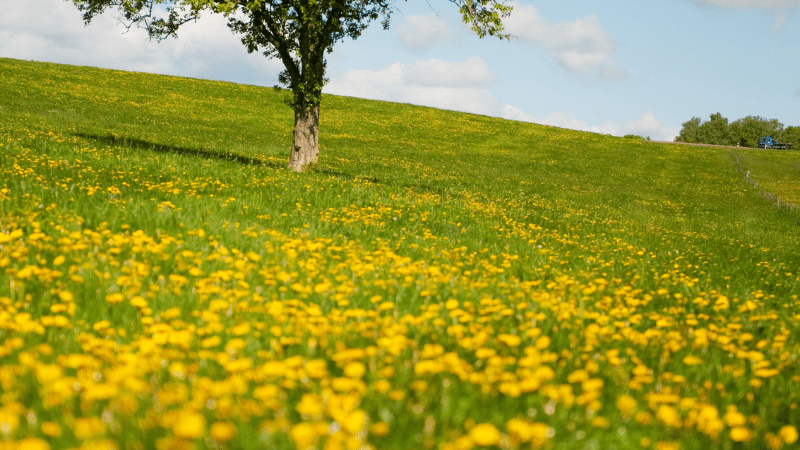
[439, 280]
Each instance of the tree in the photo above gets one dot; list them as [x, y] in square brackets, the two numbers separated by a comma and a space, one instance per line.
[690, 131]
[715, 131]
[747, 130]
[299, 32]
[791, 134]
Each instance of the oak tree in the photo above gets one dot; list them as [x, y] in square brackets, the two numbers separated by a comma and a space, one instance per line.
[298, 32]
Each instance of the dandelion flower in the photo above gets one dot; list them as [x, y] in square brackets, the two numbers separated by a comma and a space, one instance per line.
[484, 434]
[789, 434]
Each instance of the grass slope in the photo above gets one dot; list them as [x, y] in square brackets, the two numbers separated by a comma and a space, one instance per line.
[438, 280]
[778, 171]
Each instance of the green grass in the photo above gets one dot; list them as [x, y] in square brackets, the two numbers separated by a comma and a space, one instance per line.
[777, 171]
[602, 244]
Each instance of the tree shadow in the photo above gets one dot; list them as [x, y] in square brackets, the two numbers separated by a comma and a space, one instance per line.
[346, 176]
[129, 142]
[134, 143]
[419, 187]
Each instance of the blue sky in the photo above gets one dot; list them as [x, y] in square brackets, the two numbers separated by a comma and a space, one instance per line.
[609, 66]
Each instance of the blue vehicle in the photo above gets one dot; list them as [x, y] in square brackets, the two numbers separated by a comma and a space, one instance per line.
[770, 142]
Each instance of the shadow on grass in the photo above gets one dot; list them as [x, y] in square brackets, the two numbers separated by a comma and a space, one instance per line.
[345, 176]
[128, 142]
[373, 180]
[139, 144]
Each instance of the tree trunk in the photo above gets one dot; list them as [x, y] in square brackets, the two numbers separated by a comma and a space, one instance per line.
[305, 148]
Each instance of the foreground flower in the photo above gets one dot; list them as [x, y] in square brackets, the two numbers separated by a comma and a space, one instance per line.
[191, 425]
[484, 434]
[789, 434]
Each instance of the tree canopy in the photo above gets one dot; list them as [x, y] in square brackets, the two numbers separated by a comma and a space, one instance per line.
[298, 32]
[744, 132]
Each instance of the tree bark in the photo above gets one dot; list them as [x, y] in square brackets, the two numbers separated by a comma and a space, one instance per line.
[305, 148]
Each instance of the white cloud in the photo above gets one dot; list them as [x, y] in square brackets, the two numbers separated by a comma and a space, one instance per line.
[419, 34]
[53, 30]
[581, 46]
[648, 125]
[464, 86]
[457, 86]
[779, 22]
[565, 119]
[513, 113]
[645, 125]
[559, 119]
[471, 73]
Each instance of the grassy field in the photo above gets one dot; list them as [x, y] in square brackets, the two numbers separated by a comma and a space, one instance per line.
[439, 280]
[777, 171]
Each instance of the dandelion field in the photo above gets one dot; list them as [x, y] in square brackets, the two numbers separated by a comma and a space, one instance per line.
[439, 280]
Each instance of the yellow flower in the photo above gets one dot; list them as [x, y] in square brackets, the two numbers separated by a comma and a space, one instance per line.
[519, 430]
[310, 405]
[380, 429]
[190, 425]
[209, 342]
[382, 386]
[88, 427]
[665, 445]
[355, 421]
[33, 444]
[9, 420]
[644, 417]
[316, 368]
[669, 416]
[114, 298]
[540, 434]
[734, 418]
[578, 376]
[51, 429]
[419, 386]
[354, 369]
[626, 405]
[241, 329]
[485, 434]
[542, 343]
[222, 431]
[102, 444]
[510, 339]
[708, 421]
[687, 403]
[304, 434]
[386, 306]
[692, 360]
[789, 434]
[9, 237]
[774, 442]
[600, 422]
[741, 434]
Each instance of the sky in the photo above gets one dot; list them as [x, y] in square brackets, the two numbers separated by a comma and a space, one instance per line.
[607, 66]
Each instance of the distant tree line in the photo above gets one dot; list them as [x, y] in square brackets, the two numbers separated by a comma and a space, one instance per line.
[743, 132]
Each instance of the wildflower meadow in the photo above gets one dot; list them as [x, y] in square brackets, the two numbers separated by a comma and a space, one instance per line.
[438, 281]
